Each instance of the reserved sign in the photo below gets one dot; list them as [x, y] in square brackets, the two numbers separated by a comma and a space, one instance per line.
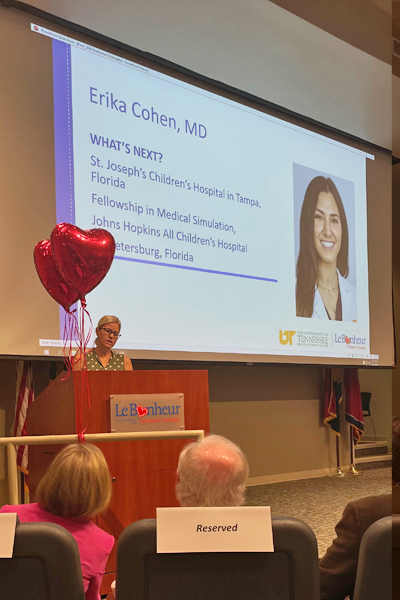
[225, 529]
[8, 522]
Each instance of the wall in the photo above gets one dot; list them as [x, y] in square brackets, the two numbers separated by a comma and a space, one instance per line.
[41, 370]
[275, 415]
[333, 64]
[396, 204]
[283, 440]
[396, 279]
[379, 383]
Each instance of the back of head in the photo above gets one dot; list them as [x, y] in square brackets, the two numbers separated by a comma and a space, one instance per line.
[396, 450]
[77, 483]
[211, 472]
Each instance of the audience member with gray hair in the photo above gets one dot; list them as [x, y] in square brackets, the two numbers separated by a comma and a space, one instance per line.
[211, 472]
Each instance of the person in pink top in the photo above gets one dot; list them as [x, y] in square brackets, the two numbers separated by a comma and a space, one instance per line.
[75, 488]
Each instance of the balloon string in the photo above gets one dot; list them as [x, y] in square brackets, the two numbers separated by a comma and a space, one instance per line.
[79, 400]
[84, 392]
[85, 311]
[74, 329]
[87, 339]
[70, 333]
[67, 339]
[67, 323]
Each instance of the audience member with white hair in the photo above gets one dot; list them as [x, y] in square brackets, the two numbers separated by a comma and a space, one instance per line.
[211, 472]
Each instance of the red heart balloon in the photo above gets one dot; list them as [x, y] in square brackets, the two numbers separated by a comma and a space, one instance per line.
[50, 276]
[83, 257]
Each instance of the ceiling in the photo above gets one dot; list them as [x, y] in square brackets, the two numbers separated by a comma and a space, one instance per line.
[323, 13]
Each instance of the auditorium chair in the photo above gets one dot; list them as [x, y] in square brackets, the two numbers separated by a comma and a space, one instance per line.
[374, 571]
[289, 573]
[45, 565]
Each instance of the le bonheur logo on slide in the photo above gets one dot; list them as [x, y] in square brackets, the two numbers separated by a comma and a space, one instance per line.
[352, 342]
[309, 339]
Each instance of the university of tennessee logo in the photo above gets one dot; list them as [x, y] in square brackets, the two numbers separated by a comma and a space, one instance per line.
[286, 337]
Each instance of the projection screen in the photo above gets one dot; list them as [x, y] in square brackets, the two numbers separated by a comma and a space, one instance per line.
[242, 233]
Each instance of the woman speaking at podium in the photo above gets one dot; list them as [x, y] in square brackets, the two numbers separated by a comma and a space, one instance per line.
[102, 357]
[322, 290]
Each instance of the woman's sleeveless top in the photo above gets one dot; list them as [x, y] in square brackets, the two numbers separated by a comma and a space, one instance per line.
[116, 362]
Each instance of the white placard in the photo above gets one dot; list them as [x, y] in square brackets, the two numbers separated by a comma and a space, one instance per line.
[227, 529]
[8, 522]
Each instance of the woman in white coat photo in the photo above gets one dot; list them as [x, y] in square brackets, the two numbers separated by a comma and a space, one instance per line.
[322, 289]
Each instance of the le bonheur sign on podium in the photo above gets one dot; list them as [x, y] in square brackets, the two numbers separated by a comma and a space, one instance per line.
[147, 412]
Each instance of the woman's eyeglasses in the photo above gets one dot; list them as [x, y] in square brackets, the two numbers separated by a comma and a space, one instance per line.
[110, 332]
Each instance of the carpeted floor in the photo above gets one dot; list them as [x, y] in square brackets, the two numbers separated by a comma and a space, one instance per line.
[319, 502]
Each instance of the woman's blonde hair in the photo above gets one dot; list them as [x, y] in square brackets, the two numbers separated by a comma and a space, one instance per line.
[77, 483]
[107, 319]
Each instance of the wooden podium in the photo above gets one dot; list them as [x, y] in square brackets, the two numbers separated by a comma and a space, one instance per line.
[143, 472]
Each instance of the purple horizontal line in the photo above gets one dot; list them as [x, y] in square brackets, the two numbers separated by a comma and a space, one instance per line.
[158, 264]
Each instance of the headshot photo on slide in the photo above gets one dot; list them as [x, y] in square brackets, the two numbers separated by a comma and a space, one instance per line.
[324, 220]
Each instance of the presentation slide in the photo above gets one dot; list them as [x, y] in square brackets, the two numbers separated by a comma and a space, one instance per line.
[236, 232]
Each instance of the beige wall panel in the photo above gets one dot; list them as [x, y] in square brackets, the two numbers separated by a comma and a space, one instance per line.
[258, 382]
[365, 24]
[27, 198]
[281, 439]
[396, 113]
